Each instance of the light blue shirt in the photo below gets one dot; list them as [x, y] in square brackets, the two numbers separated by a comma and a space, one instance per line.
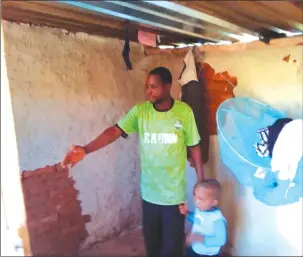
[212, 225]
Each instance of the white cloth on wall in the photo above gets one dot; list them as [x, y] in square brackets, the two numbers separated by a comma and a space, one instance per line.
[189, 72]
[288, 150]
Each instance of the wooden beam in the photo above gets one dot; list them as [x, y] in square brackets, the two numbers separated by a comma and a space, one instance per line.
[275, 43]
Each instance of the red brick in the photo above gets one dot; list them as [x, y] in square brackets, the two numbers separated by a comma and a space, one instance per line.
[33, 184]
[65, 183]
[49, 194]
[70, 208]
[87, 218]
[35, 202]
[69, 220]
[41, 211]
[43, 230]
[45, 238]
[68, 246]
[38, 188]
[62, 192]
[34, 191]
[74, 231]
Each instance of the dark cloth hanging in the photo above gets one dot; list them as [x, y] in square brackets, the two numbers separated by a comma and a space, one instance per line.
[274, 131]
[194, 94]
[126, 51]
[269, 136]
[204, 126]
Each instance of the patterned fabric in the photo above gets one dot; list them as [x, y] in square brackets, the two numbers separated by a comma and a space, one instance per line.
[163, 139]
[262, 146]
[269, 136]
[274, 132]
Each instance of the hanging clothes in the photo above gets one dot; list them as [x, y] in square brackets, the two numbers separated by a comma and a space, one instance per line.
[205, 126]
[268, 137]
[193, 93]
[262, 146]
[147, 38]
[126, 51]
[274, 132]
[283, 185]
[288, 150]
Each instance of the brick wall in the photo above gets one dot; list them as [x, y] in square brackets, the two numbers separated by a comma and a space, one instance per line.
[54, 221]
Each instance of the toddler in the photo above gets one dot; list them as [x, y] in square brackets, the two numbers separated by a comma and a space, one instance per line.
[208, 233]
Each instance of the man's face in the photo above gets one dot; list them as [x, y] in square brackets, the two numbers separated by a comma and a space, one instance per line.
[155, 89]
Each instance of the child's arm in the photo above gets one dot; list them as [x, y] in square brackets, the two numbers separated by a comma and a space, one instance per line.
[219, 237]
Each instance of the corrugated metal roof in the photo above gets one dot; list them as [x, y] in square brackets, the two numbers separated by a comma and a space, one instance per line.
[197, 22]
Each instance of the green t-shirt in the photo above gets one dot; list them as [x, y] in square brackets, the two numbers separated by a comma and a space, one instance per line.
[164, 137]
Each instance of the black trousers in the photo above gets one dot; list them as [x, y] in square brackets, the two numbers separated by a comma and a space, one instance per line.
[191, 253]
[163, 230]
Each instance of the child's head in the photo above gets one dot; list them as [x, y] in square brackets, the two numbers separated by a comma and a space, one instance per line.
[207, 194]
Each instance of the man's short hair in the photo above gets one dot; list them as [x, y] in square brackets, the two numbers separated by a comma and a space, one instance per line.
[163, 73]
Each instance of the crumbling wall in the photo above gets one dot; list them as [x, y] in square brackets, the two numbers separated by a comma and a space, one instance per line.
[66, 89]
[266, 75]
[55, 222]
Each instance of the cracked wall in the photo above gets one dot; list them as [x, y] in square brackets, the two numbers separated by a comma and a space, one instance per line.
[256, 229]
[66, 89]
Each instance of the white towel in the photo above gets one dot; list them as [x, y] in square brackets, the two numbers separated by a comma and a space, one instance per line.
[288, 150]
[189, 72]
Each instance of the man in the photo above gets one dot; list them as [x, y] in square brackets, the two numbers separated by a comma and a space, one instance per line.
[166, 128]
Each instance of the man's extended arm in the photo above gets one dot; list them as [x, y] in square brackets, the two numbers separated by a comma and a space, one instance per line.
[110, 135]
[77, 153]
[125, 126]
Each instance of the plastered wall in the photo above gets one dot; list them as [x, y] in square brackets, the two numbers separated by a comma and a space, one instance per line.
[254, 228]
[66, 89]
[12, 204]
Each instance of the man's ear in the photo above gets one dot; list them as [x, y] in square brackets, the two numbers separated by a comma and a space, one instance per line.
[215, 202]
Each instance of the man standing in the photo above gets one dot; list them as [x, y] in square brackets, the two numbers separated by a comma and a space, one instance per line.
[166, 129]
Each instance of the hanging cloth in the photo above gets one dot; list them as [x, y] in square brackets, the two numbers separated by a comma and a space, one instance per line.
[274, 132]
[193, 93]
[284, 184]
[268, 137]
[288, 150]
[147, 38]
[126, 51]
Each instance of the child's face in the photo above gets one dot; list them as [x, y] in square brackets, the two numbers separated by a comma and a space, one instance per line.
[205, 199]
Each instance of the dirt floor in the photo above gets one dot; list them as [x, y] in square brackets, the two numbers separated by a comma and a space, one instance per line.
[129, 244]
